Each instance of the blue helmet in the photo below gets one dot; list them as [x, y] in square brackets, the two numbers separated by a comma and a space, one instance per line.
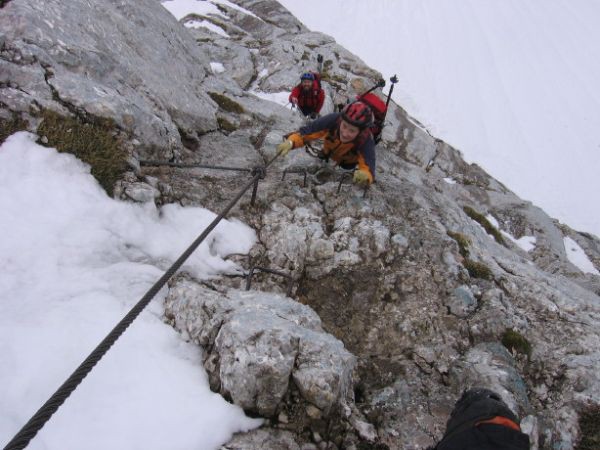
[307, 76]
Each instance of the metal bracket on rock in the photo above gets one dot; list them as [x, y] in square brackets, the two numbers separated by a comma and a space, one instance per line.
[262, 173]
[343, 177]
[254, 269]
[296, 170]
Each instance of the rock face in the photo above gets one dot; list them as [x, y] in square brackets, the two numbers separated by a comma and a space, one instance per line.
[423, 278]
[131, 62]
[257, 343]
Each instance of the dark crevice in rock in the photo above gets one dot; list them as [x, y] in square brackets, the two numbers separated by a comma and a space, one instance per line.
[506, 268]
[254, 74]
[77, 112]
[13, 86]
[431, 163]
[188, 140]
[258, 141]
[589, 425]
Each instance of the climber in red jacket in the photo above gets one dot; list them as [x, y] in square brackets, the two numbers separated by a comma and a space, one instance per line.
[308, 95]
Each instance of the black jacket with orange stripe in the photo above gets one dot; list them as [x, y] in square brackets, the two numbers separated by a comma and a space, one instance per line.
[482, 421]
[361, 151]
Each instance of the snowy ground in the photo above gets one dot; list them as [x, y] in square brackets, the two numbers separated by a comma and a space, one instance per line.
[74, 261]
[513, 84]
[182, 8]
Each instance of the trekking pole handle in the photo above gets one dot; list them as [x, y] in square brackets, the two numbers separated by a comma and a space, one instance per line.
[380, 84]
[393, 80]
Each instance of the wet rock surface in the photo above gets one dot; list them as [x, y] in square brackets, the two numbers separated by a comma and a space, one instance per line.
[400, 299]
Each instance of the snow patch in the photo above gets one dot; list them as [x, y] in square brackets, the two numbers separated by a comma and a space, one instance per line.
[491, 219]
[527, 243]
[237, 7]
[182, 8]
[74, 261]
[208, 25]
[577, 256]
[217, 67]
[281, 98]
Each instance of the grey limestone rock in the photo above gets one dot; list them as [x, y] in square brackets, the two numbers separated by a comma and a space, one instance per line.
[263, 439]
[102, 58]
[462, 301]
[257, 343]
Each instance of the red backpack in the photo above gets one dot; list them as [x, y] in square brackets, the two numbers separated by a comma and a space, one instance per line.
[317, 81]
[379, 110]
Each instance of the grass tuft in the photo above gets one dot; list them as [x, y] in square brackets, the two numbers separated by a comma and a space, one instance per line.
[92, 142]
[226, 125]
[515, 341]
[477, 269]
[462, 241]
[11, 126]
[589, 426]
[225, 103]
[489, 228]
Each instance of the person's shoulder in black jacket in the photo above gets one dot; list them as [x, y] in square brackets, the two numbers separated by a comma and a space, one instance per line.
[482, 421]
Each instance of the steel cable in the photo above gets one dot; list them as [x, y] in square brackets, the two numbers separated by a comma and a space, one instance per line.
[39, 419]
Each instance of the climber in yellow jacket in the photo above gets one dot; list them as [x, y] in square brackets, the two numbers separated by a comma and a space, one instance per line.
[347, 139]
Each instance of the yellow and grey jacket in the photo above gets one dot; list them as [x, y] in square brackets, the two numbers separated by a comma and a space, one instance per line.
[361, 151]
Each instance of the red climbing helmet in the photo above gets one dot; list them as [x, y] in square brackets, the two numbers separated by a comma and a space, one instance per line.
[358, 114]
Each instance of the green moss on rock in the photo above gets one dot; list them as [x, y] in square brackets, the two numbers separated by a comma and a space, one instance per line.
[92, 142]
[226, 104]
[489, 228]
[462, 241]
[339, 79]
[11, 126]
[477, 269]
[515, 341]
[226, 125]
[589, 425]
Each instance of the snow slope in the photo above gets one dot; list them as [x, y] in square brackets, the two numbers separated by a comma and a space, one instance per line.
[74, 261]
[513, 84]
